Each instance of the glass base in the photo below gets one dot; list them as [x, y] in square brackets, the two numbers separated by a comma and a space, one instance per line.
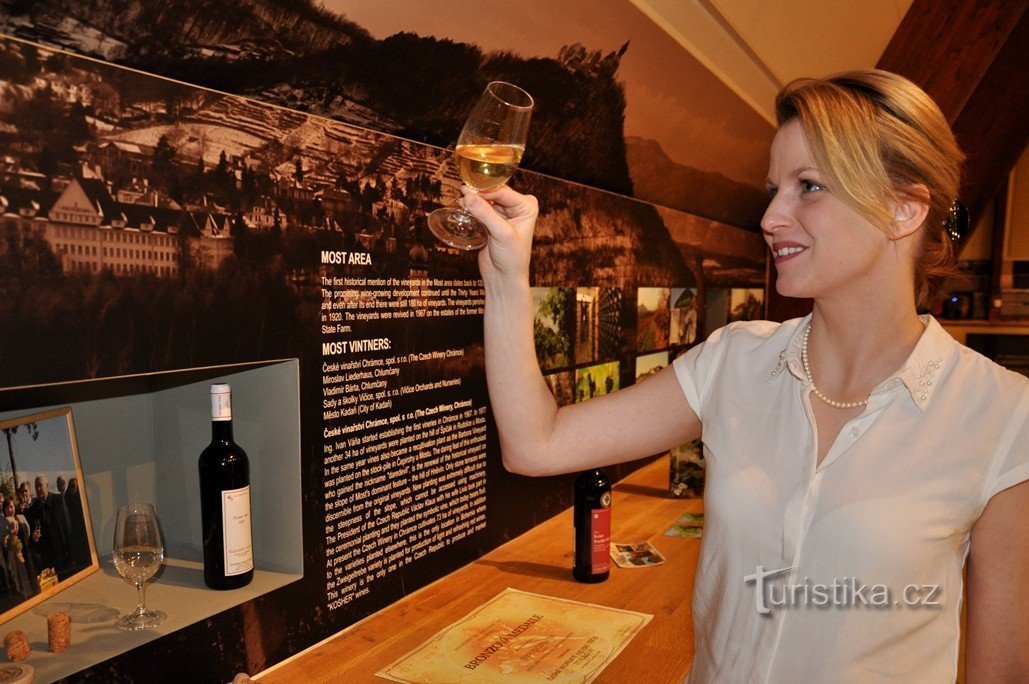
[134, 622]
[458, 229]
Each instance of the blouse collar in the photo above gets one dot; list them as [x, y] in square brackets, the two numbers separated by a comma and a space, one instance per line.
[920, 373]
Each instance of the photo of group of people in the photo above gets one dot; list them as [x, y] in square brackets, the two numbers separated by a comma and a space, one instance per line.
[44, 536]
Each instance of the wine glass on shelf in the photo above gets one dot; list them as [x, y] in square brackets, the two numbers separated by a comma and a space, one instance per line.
[488, 152]
[138, 554]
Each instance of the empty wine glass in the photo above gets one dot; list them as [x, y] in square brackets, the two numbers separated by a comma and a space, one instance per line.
[138, 554]
[488, 152]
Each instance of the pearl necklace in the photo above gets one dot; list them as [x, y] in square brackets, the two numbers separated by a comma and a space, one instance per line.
[811, 381]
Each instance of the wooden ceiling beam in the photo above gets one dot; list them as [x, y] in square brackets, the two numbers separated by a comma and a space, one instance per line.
[971, 57]
[947, 46]
[993, 126]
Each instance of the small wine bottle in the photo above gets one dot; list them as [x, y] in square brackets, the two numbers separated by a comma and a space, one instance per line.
[592, 527]
[225, 501]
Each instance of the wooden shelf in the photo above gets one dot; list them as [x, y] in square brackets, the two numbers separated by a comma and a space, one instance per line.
[95, 602]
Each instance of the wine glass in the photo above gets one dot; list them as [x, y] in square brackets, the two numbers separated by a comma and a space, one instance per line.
[488, 152]
[138, 554]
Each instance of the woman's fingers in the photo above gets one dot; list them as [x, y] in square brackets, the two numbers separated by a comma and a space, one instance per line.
[509, 218]
[508, 199]
[478, 207]
[502, 210]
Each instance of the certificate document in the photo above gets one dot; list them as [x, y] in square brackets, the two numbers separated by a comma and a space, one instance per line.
[521, 637]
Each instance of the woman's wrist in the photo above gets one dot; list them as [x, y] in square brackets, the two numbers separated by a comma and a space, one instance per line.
[505, 285]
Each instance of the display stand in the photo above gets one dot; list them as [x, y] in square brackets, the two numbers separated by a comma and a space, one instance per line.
[139, 438]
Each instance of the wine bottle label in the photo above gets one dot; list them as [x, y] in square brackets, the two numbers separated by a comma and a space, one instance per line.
[221, 402]
[600, 535]
[236, 539]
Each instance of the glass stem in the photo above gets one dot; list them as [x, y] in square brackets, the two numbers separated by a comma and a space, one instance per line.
[140, 598]
[464, 210]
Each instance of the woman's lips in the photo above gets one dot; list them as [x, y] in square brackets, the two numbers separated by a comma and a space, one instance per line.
[784, 251]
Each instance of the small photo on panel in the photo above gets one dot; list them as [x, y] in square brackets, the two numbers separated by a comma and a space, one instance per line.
[652, 318]
[648, 364]
[683, 316]
[553, 325]
[594, 381]
[746, 304]
[562, 386]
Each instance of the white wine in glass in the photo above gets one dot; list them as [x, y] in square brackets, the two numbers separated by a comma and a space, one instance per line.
[489, 150]
[485, 167]
[138, 554]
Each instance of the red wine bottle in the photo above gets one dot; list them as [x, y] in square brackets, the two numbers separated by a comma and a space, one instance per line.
[592, 527]
[225, 501]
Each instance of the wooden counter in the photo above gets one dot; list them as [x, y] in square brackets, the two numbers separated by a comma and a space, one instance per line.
[540, 562]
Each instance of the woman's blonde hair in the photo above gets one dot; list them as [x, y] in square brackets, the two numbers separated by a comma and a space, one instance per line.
[877, 137]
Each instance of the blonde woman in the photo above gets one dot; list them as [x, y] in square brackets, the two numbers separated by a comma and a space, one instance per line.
[856, 457]
[14, 539]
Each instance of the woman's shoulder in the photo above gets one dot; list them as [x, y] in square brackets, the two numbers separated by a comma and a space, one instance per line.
[759, 343]
[757, 334]
[988, 379]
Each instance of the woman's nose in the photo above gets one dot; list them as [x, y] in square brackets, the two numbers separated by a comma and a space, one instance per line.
[774, 218]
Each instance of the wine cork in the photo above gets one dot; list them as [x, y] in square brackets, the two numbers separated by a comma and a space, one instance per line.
[17, 645]
[58, 631]
[17, 674]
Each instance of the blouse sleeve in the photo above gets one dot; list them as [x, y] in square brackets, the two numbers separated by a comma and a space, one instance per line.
[1011, 465]
[696, 368]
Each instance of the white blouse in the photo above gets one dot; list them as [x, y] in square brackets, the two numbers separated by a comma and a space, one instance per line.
[851, 571]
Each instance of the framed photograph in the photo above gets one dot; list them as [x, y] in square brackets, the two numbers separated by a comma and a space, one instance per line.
[46, 538]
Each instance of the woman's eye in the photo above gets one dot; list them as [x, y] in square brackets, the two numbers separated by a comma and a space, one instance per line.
[810, 186]
[771, 192]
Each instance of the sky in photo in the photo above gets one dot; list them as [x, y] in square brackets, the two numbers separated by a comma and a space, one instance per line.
[671, 97]
[49, 454]
[651, 297]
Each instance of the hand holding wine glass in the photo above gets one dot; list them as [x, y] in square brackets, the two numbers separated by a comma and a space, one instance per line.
[138, 554]
[510, 218]
[488, 152]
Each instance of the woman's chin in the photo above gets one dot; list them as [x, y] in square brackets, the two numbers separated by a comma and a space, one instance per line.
[789, 289]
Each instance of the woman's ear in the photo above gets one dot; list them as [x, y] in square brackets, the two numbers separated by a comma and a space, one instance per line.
[909, 211]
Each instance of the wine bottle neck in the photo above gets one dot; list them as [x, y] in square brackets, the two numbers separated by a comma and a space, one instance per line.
[221, 430]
